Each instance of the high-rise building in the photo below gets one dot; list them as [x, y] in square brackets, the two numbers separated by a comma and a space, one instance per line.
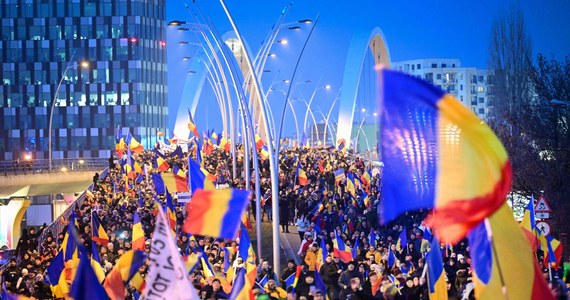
[101, 63]
[469, 85]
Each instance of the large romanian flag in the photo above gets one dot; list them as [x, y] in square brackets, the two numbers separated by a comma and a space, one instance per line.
[509, 266]
[216, 213]
[173, 182]
[438, 155]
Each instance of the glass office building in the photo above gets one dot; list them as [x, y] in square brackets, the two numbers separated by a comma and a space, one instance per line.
[101, 62]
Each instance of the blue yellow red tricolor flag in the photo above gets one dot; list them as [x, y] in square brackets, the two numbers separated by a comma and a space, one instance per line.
[98, 233]
[341, 250]
[436, 275]
[215, 213]
[301, 175]
[192, 125]
[438, 155]
[197, 178]
[242, 289]
[510, 260]
[138, 233]
[125, 268]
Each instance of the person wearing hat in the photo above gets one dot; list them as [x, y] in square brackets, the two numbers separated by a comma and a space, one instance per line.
[274, 291]
[305, 244]
[319, 295]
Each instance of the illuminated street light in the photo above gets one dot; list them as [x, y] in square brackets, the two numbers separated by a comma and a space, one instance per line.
[176, 23]
[81, 161]
[375, 114]
[306, 21]
[283, 42]
[328, 86]
[186, 58]
[27, 157]
[83, 64]
[363, 110]
[272, 55]
[63, 169]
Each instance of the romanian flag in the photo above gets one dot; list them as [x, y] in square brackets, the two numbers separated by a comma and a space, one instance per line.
[511, 262]
[403, 240]
[301, 175]
[214, 136]
[87, 285]
[225, 144]
[119, 142]
[56, 276]
[216, 213]
[125, 268]
[438, 155]
[304, 141]
[258, 142]
[339, 175]
[242, 288]
[192, 126]
[133, 144]
[264, 152]
[244, 243]
[528, 224]
[96, 263]
[297, 276]
[350, 187]
[138, 282]
[98, 233]
[436, 275]
[553, 252]
[342, 145]
[170, 213]
[138, 233]
[366, 178]
[198, 180]
[171, 181]
[341, 250]
[160, 164]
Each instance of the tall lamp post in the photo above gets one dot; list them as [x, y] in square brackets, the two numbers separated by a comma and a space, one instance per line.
[70, 64]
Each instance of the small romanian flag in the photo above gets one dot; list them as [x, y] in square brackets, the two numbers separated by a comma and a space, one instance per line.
[138, 233]
[216, 213]
[97, 231]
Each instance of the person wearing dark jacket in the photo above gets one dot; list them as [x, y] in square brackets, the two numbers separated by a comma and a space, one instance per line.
[291, 269]
[330, 273]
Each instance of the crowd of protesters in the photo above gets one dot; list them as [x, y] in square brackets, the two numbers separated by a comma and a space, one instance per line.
[321, 209]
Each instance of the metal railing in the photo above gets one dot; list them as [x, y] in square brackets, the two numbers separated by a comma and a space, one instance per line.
[41, 166]
[57, 225]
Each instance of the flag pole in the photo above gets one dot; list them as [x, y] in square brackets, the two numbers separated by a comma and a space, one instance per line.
[495, 258]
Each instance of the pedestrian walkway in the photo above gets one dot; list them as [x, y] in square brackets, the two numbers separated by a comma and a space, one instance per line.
[290, 243]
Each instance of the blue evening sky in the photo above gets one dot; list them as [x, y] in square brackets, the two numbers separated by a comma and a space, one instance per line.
[413, 30]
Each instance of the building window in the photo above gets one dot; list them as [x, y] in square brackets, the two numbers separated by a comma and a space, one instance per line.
[481, 111]
[438, 76]
[434, 65]
[444, 65]
[481, 100]
[418, 66]
[480, 89]
[461, 87]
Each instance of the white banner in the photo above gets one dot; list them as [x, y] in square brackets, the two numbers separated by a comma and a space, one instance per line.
[167, 278]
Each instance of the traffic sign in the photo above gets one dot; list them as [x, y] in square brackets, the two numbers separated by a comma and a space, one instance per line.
[542, 215]
[543, 227]
[542, 205]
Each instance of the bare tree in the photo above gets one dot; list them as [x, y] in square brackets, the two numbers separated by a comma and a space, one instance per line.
[510, 52]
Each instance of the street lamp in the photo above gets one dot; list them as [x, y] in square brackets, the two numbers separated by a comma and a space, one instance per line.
[83, 64]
